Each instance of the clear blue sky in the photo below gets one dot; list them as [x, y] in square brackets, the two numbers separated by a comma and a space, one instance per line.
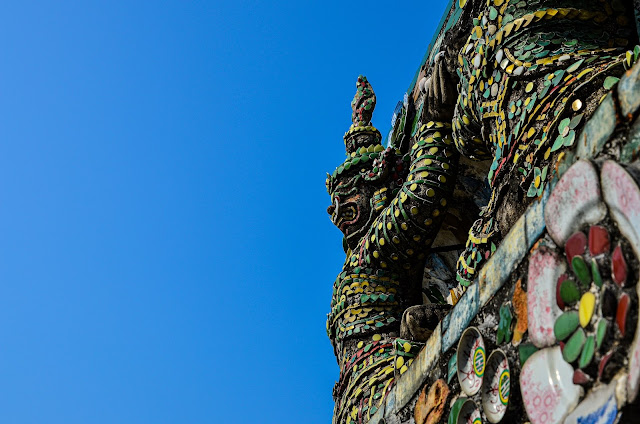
[165, 254]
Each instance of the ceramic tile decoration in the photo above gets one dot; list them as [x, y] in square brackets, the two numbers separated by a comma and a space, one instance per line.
[622, 196]
[565, 209]
[544, 269]
[600, 407]
[430, 405]
[464, 411]
[533, 250]
[496, 386]
[546, 383]
[471, 361]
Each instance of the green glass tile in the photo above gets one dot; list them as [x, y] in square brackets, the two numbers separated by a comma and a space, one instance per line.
[601, 331]
[580, 269]
[569, 292]
[587, 352]
[573, 347]
[566, 324]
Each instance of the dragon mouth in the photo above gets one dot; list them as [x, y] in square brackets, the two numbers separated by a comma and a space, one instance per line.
[346, 215]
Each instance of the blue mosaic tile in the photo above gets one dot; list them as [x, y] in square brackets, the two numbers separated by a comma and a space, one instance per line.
[599, 407]
[458, 319]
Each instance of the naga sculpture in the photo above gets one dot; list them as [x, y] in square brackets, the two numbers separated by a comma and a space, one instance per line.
[528, 75]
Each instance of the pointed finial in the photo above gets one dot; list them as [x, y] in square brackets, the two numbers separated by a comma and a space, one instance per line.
[362, 133]
[363, 103]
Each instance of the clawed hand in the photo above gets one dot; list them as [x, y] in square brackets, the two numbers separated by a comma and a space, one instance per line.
[440, 92]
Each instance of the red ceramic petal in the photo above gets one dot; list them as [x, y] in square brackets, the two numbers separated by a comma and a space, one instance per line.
[603, 363]
[598, 240]
[618, 266]
[621, 314]
[575, 245]
[559, 300]
[579, 377]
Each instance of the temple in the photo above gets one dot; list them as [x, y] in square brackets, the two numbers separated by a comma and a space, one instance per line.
[492, 235]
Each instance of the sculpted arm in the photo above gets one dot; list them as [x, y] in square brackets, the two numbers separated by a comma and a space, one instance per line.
[407, 226]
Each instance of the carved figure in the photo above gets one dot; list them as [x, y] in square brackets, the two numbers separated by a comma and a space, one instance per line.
[389, 207]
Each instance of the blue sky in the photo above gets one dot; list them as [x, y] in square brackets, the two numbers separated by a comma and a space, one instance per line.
[165, 253]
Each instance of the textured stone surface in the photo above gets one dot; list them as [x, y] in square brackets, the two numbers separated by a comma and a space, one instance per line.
[458, 319]
[598, 130]
[629, 91]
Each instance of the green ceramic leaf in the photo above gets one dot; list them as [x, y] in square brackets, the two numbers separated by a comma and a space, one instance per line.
[574, 345]
[566, 324]
[587, 352]
[609, 82]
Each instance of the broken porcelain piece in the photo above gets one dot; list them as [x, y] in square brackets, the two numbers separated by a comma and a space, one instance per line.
[471, 361]
[546, 383]
[496, 386]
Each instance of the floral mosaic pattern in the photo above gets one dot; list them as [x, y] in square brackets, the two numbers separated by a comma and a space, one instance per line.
[591, 284]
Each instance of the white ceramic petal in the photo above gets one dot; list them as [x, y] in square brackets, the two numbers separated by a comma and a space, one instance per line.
[574, 201]
[546, 383]
[542, 310]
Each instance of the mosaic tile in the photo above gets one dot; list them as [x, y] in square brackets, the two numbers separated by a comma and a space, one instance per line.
[471, 361]
[631, 150]
[547, 380]
[621, 194]
[576, 244]
[618, 266]
[411, 381]
[431, 404]
[500, 265]
[599, 407]
[544, 269]
[598, 240]
[496, 386]
[566, 324]
[575, 200]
